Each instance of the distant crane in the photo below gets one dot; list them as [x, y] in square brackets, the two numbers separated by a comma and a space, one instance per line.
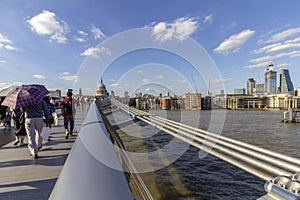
[194, 84]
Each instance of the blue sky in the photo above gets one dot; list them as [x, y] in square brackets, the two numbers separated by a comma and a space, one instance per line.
[48, 41]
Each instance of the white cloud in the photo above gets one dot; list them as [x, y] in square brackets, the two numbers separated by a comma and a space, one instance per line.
[145, 80]
[6, 43]
[217, 81]
[208, 18]
[81, 40]
[261, 59]
[118, 86]
[80, 32]
[160, 76]
[283, 35]
[3, 39]
[3, 61]
[95, 52]
[46, 23]
[266, 48]
[284, 47]
[38, 76]
[234, 42]
[67, 76]
[270, 58]
[280, 46]
[141, 72]
[98, 34]
[258, 65]
[282, 65]
[9, 47]
[179, 29]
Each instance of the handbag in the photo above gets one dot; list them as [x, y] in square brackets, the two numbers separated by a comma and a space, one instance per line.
[46, 133]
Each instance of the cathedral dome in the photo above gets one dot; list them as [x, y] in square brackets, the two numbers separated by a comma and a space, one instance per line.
[101, 89]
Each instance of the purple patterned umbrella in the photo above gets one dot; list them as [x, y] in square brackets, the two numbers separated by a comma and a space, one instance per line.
[25, 95]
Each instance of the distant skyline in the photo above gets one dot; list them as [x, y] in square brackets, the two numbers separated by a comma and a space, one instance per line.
[47, 42]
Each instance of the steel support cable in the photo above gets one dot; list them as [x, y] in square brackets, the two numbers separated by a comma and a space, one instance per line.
[255, 154]
[250, 160]
[261, 156]
[214, 138]
[250, 146]
[228, 159]
[254, 162]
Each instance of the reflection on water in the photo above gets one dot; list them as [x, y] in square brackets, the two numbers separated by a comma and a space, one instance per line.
[192, 177]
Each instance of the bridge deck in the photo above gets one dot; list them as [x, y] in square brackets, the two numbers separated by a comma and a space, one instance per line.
[21, 177]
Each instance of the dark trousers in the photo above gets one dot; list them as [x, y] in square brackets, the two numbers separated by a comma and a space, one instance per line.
[69, 119]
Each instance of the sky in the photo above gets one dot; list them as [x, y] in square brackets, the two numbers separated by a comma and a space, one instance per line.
[54, 42]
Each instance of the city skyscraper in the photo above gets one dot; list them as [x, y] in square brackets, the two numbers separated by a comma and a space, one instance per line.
[259, 88]
[240, 91]
[270, 80]
[250, 86]
[286, 84]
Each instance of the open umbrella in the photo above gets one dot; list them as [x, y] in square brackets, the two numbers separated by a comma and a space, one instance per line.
[5, 90]
[25, 95]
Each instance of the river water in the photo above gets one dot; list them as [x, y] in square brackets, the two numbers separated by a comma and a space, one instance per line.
[194, 176]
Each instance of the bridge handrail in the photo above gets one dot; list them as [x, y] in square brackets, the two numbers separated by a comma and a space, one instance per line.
[87, 172]
[287, 164]
[212, 142]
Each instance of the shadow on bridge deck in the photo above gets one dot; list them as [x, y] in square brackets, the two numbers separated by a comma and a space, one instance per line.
[21, 177]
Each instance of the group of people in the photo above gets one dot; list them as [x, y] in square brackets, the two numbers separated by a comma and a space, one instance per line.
[30, 120]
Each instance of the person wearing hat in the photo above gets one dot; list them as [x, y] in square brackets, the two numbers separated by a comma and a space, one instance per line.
[68, 112]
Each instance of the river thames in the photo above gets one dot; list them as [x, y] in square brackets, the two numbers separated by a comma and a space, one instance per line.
[191, 176]
[205, 177]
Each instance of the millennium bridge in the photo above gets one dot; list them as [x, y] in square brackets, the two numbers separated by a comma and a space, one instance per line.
[94, 150]
[99, 167]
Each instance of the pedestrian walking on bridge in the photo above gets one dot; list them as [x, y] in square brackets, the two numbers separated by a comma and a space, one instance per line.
[68, 111]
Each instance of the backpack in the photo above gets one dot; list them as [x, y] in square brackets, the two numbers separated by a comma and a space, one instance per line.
[68, 107]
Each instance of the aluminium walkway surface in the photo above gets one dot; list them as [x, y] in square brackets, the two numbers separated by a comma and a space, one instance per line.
[22, 177]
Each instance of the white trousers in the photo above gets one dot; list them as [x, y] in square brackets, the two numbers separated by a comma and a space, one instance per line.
[34, 127]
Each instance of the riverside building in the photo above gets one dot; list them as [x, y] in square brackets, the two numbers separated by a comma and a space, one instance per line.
[250, 86]
[286, 84]
[270, 80]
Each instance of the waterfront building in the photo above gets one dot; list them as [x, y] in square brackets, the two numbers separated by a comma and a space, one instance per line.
[239, 91]
[192, 101]
[259, 88]
[250, 86]
[221, 92]
[219, 101]
[235, 102]
[170, 103]
[286, 84]
[206, 103]
[165, 103]
[298, 91]
[101, 92]
[282, 101]
[270, 80]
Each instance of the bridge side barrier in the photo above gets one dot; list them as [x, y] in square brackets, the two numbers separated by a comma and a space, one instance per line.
[218, 140]
[218, 146]
[134, 178]
[243, 144]
[213, 141]
[284, 187]
[92, 170]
